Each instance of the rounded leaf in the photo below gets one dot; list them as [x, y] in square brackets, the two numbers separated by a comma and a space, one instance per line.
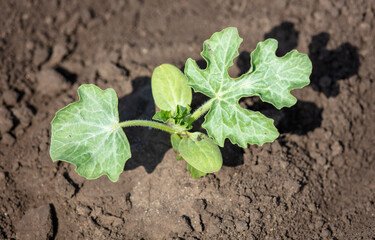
[87, 134]
[169, 88]
[195, 173]
[270, 77]
[175, 140]
[199, 151]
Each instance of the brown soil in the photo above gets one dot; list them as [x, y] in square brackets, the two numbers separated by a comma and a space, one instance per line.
[316, 181]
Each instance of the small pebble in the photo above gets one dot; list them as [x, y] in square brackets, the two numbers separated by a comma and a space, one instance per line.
[108, 70]
[241, 225]
[36, 224]
[50, 82]
[292, 187]
[311, 207]
[8, 139]
[58, 52]
[2, 176]
[213, 226]
[6, 120]
[108, 221]
[10, 98]
[83, 210]
[255, 215]
[336, 149]
[40, 56]
[260, 168]
[326, 233]
[63, 187]
[319, 224]
[199, 205]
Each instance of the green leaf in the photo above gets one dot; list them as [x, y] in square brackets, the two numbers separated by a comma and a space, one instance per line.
[162, 116]
[86, 133]
[182, 112]
[179, 157]
[195, 173]
[198, 150]
[270, 77]
[179, 118]
[175, 141]
[169, 88]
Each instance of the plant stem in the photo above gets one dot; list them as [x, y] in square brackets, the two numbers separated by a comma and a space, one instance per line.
[200, 111]
[145, 123]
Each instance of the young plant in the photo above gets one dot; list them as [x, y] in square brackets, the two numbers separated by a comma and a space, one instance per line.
[88, 134]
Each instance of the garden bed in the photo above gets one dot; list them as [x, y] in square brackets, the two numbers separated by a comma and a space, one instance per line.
[316, 181]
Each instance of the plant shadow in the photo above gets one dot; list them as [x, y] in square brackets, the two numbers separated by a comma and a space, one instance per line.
[148, 146]
[286, 35]
[299, 119]
[329, 66]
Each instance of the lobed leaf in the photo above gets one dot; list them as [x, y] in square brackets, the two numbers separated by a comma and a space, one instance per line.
[270, 77]
[86, 133]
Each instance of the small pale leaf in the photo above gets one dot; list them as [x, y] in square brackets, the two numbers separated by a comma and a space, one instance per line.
[195, 173]
[175, 141]
[87, 134]
[198, 150]
[162, 116]
[169, 88]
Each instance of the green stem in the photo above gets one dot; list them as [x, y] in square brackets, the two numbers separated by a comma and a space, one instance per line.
[145, 123]
[201, 110]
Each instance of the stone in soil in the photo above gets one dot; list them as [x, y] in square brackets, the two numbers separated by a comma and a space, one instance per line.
[24, 114]
[260, 168]
[109, 71]
[199, 205]
[83, 210]
[63, 187]
[58, 52]
[2, 180]
[6, 120]
[336, 148]
[109, 220]
[10, 98]
[7, 139]
[50, 82]
[241, 225]
[40, 56]
[36, 224]
[292, 187]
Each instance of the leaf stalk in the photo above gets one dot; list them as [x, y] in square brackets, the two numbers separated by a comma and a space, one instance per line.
[152, 124]
[200, 111]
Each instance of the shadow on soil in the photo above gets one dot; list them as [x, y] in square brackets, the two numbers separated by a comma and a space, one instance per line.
[148, 146]
[329, 66]
[55, 222]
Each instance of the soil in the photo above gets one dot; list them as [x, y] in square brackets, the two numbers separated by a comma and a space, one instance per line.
[316, 181]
